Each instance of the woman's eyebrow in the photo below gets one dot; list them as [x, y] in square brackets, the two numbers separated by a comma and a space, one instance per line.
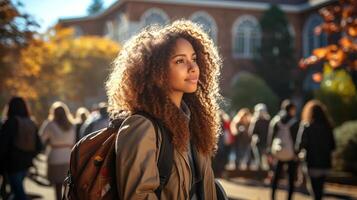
[177, 55]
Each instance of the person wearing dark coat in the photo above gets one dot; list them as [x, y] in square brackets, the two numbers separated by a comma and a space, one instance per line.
[19, 145]
[287, 117]
[315, 139]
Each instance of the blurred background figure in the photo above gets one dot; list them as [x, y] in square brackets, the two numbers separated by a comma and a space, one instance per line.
[258, 128]
[96, 121]
[239, 127]
[19, 145]
[58, 132]
[81, 116]
[225, 141]
[316, 139]
[282, 133]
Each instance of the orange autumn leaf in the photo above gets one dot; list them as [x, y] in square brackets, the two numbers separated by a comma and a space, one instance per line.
[317, 77]
[320, 52]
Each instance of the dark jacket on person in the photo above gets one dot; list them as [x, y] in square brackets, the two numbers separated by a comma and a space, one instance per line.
[14, 159]
[284, 118]
[319, 142]
[260, 127]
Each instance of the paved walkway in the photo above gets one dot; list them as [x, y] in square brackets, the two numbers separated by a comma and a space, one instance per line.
[237, 189]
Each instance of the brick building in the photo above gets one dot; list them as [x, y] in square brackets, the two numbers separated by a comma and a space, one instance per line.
[232, 24]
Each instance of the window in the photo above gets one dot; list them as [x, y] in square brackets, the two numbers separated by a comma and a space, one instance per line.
[109, 30]
[246, 37]
[208, 23]
[122, 27]
[311, 40]
[77, 31]
[154, 16]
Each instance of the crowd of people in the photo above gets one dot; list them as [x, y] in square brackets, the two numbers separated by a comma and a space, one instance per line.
[258, 141]
[252, 138]
[171, 74]
[22, 139]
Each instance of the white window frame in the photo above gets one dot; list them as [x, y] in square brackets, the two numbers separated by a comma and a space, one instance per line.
[151, 11]
[210, 19]
[247, 50]
[316, 38]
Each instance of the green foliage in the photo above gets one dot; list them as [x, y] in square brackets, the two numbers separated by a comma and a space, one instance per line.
[275, 58]
[338, 92]
[249, 90]
[95, 7]
[346, 141]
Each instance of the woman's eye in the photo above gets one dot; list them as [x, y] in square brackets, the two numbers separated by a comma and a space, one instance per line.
[194, 59]
[179, 61]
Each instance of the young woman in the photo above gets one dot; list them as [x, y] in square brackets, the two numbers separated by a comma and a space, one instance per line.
[239, 127]
[19, 145]
[59, 133]
[316, 137]
[170, 73]
[81, 115]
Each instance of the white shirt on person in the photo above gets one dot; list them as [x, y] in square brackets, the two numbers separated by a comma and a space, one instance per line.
[59, 141]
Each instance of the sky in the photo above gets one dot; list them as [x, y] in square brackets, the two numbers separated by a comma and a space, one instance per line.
[47, 12]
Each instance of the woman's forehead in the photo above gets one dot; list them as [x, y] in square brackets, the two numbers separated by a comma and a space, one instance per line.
[183, 46]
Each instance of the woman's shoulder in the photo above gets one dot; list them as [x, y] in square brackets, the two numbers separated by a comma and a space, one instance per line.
[138, 123]
[136, 131]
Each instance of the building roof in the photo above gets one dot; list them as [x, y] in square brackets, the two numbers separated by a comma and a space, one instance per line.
[290, 6]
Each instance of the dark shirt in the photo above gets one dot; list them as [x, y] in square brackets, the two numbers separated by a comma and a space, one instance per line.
[319, 142]
[12, 158]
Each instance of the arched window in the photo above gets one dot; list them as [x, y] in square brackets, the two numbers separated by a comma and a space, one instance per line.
[208, 23]
[154, 16]
[246, 36]
[311, 40]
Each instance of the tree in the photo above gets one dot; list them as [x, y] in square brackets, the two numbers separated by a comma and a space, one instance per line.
[63, 67]
[250, 90]
[275, 58]
[16, 30]
[338, 80]
[340, 19]
[338, 92]
[95, 7]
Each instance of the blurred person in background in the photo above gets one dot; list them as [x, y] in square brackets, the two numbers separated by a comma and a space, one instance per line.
[315, 140]
[82, 115]
[20, 143]
[239, 128]
[282, 134]
[225, 141]
[59, 134]
[258, 129]
[96, 122]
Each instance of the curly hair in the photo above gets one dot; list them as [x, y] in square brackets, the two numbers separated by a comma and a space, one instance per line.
[138, 82]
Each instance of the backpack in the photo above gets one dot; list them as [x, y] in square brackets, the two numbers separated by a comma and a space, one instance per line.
[27, 138]
[282, 145]
[92, 164]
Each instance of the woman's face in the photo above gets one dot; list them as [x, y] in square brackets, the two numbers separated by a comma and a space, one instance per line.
[183, 69]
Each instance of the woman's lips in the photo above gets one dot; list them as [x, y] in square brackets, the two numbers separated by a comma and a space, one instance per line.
[192, 80]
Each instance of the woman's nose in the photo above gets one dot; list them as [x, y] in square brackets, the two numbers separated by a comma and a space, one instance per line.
[192, 66]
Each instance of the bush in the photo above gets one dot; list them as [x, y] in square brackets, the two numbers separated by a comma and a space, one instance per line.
[249, 90]
[346, 141]
[338, 92]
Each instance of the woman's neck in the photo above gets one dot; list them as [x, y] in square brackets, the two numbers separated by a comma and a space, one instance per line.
[176, 98]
